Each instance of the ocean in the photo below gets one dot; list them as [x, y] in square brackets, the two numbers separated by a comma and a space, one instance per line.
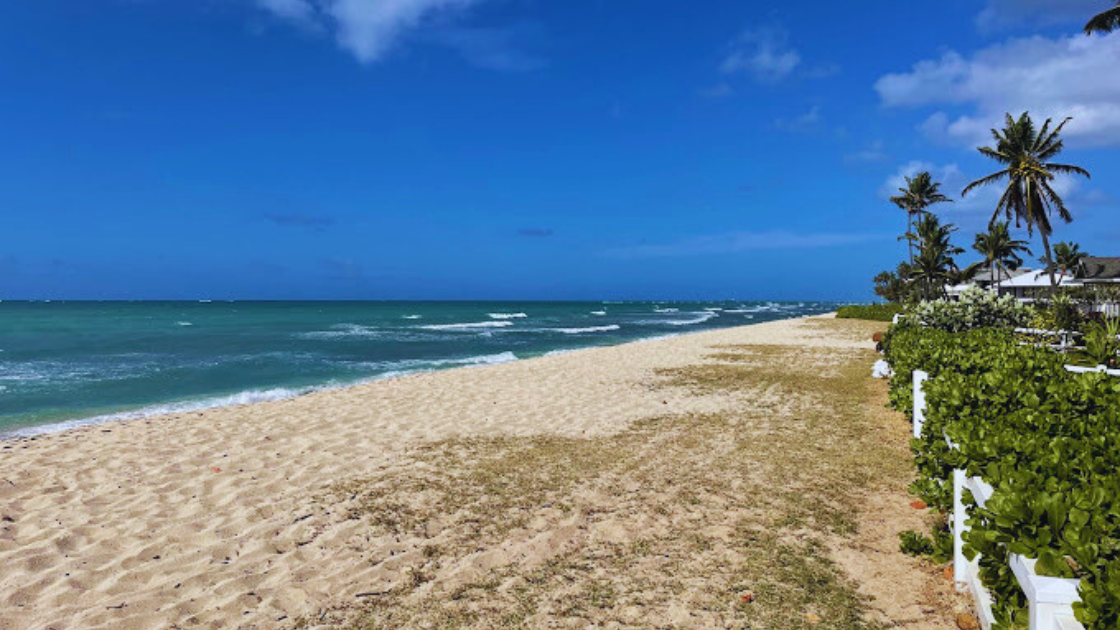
[68, 363]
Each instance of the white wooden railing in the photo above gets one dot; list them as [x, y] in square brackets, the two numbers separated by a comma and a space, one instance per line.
[1050, 599]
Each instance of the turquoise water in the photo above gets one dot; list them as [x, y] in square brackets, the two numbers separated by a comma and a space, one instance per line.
[65, 363]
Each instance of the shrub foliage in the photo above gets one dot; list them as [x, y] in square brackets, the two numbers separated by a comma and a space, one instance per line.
[1047, 440]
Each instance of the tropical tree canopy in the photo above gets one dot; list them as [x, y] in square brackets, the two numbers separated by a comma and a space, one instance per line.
[915, 198]
[1000, 250]
[1105, 22]
[1029, 197]
[1067, 256]
[934, 266]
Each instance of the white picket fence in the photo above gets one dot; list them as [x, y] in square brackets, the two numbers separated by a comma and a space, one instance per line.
[1050, 599]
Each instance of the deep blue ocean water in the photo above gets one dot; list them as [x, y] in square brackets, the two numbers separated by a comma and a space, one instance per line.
[65, 363]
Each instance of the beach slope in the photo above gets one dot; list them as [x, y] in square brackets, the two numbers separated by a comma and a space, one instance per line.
[737, 476]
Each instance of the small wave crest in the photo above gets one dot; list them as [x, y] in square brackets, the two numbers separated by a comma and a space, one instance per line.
[589, 329]
[468, 326]
[598, 313]
[507, 315]
[412, 317]
[339, 331]
[666, 310]
[184, 324]
[699, 319]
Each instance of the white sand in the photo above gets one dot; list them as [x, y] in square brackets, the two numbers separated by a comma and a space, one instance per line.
[198, 519]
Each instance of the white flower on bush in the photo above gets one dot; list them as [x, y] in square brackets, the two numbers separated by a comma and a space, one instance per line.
[975, 309]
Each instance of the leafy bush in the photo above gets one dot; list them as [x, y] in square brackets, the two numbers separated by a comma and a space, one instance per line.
[938, 549]
[872, 312]
[975, 309]
[1044, 438]
[1101, 343]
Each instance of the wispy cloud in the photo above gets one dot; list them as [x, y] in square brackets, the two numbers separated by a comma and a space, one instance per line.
[764, 52]
[370, 29]
[732, 242]
[536, 232]
[1068, 76]
[307, 222]
[808, 121]
[874, 152]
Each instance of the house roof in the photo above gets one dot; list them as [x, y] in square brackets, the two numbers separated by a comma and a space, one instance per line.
[1099, 268]
[1038, 279]
[984, 273]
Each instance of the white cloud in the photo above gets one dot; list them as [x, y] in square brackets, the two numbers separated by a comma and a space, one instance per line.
[763, 52]
[732, 242]
[1068, 76]
[1006, 13]
[369, 29]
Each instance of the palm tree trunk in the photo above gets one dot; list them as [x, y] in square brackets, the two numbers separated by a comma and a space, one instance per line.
[910, 241]
[1049, 261]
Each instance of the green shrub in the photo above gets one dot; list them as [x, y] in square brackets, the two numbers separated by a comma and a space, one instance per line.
[871, 312]
[975, 309]
[1044, 438]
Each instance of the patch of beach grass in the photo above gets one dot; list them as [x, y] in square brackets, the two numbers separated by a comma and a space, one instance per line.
[686, 521]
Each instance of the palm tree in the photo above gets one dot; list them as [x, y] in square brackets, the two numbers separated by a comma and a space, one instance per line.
[1105, 22]
[1000, 250]
[934, 266]
[917, 196]
[1029, 198]
[1067, 256]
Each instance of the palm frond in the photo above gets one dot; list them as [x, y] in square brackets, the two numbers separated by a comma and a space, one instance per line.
[1105, 22]
[985, 181]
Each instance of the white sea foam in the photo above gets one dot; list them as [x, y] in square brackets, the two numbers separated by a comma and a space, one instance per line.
[468, 326]
[253, 396]
[699, 319]
[184, 324]
[413, 317]
[508, 315]
[589, 329]
[241, 398]
[598, 313]
[343, 330]
[666, 310]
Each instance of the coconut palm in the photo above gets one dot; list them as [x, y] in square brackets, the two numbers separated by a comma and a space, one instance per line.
[1067, 256]
[1000, 250]
[934, 266]
[917, 196]
[1029, 198]
[1105, 22]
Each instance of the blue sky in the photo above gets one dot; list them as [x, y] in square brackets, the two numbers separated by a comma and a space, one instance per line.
[520, 149]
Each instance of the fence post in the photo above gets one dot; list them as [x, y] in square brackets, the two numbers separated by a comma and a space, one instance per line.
[960, 564]
[919, 402]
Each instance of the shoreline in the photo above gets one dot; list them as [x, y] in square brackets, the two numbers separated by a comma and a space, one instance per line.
[281, 393]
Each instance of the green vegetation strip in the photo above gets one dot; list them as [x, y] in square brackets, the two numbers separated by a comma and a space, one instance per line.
[870, 312]
[1044, 438]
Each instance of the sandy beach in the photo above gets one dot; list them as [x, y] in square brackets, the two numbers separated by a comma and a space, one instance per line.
[359, 507]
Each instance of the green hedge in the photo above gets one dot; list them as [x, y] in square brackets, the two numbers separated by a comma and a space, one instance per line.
[872, 312]
[1047, 440]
